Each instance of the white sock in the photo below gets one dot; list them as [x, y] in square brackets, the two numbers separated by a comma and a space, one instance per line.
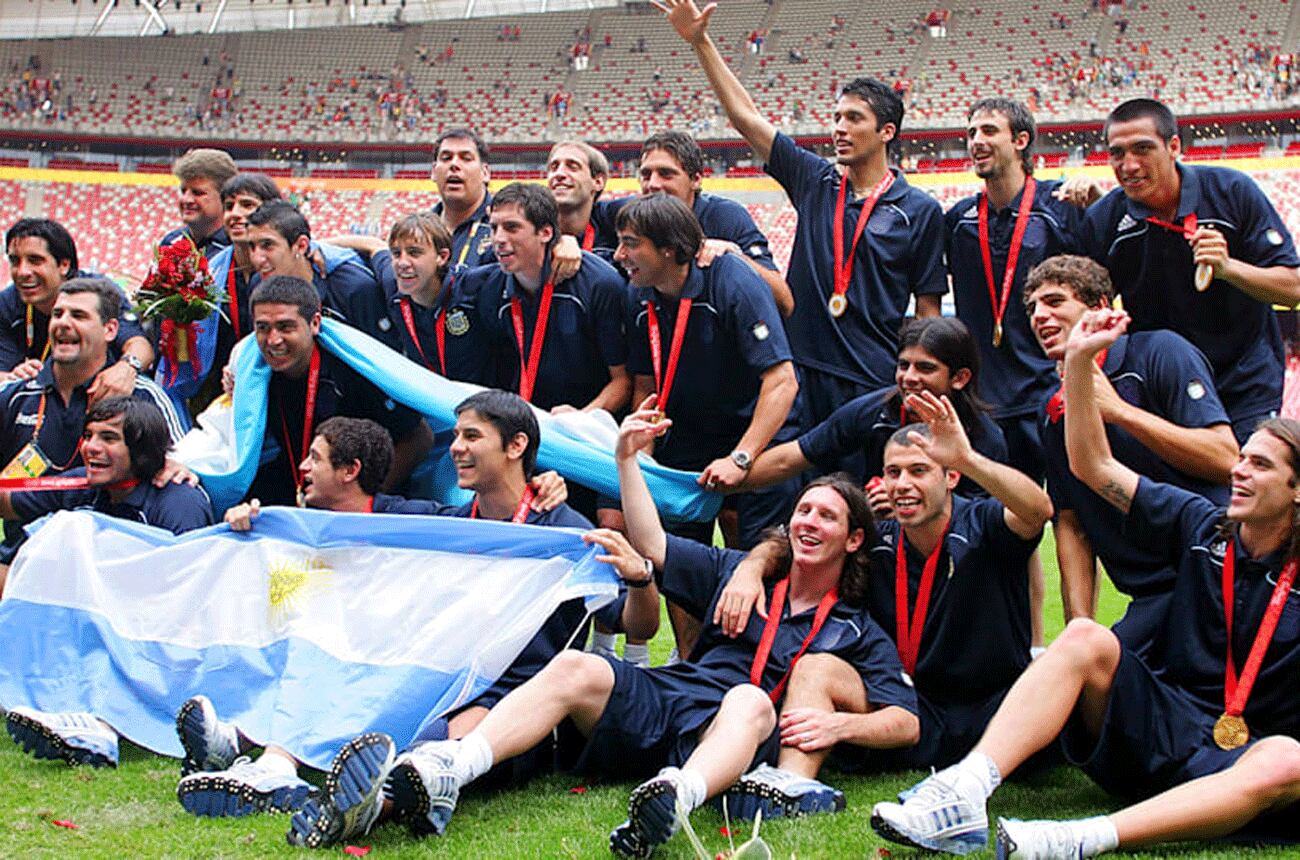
[977, 777]
[637, 655]
[693, 791]
[603, 643]
[1095, 835]
[472, 758]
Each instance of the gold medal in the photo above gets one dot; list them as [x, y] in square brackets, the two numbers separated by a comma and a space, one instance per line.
[1204, 274]
[837, 305]
[1230, 732]
[997, 334]
[300, 498]
[656, 417]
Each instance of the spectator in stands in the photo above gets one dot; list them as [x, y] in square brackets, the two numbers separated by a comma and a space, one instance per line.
[279, 243]
[42, 257]
[460, 170]
[1199, 250]
[847, 306]
[286, 319]
[202, 172]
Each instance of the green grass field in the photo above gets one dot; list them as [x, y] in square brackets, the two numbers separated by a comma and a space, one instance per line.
[132, 811]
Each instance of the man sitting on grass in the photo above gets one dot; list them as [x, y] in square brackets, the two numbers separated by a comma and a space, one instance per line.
[701, 723]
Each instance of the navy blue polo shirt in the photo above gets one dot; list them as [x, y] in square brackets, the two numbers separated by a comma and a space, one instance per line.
[975, 640]
[14, 348]
[1153, 271]
[340, 391]
[1189, 530]
[694, 576]
[471, 241]
[175, 507]
[467, 327]
[584, 336]
[1016, 377]
[853, 439]
[1162, 373]
[208, 247]
[719, 217]
[900, 256]
[351, 295]
[733, 336]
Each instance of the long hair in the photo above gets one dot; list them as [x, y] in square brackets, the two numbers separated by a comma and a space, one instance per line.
[1287, 431]
[857, 564]
[950, 341]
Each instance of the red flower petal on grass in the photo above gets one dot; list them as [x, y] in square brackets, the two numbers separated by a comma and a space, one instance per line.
[58, 822]
[725, 831]
[357, 850]
[578, 789]
[883, 852]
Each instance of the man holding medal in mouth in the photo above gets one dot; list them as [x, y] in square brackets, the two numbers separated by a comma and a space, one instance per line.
[1199, 250]
[1207, 738]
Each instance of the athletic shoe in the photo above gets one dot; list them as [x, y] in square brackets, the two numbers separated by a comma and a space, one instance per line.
[246, 787]
[651, 817]
[353, 796]
[209, 743]
[935, 816]
[77, 738]
[1037, 840]
[780, 794]
[423, 787]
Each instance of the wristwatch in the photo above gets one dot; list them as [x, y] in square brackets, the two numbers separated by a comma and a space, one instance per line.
[133, 362]
[649, 576]
[742, 459]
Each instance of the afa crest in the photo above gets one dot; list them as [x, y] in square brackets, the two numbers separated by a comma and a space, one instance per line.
[457, 322]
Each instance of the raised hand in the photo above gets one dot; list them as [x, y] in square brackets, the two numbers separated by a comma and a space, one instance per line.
[690, 22]
[1095, 331]
[948, 443]
[640, 429]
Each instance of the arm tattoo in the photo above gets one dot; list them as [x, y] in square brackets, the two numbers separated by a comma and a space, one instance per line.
[1112, 492]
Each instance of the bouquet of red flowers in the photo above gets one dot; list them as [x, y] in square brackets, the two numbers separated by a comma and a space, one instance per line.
[179, 292]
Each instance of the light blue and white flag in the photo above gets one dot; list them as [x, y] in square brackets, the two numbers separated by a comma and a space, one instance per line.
[306, 631]
[580, 446]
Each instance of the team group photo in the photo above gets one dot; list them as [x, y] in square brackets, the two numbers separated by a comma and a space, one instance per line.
[650, 428]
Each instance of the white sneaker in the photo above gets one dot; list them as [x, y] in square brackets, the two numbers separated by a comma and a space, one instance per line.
[244, 788]
[1037, 840]
[353, 796]
[780, 794]
[209, 743]
[934, 816]
[651, 816]
[424, 788]
[77, 738]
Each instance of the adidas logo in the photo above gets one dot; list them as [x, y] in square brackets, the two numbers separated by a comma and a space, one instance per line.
[972, 212]
[1126, 223]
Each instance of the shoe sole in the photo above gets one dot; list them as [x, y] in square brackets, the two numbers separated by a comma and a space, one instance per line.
[948, 845]
[413, 803]
[1005, 845]
[651, 821]
[744, 801]
[218, 796]
[355, 779]
[191, 729]
[43, 742]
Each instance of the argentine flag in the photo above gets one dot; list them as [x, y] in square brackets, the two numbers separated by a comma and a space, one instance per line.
[307, 630]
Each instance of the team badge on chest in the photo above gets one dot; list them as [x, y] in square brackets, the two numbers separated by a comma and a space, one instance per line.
[457, 322]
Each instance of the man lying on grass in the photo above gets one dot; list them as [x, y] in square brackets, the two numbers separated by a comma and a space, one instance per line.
[700, 724]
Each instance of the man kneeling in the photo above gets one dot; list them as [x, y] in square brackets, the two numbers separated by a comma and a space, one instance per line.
[708, 719]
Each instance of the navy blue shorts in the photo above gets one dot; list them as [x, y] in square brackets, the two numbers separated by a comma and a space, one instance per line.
[948, 732]
[1024, 446]
[1153, 737]
[1142, 629]
[649, 724]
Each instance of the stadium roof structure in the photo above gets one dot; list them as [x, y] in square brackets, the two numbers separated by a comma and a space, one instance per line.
[47, 19]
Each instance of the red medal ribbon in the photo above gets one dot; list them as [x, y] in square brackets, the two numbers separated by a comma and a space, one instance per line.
[1237, 691]
[589, 237]
[370, 505]
[843, 265]
[664, 383]
[909, 634]
[528, 368]
[769, 636]
[999, 303]
[58, 482]
[1187, 228]
[521, 512]
[408, 317]
[1056, 403]
[233, 294]
[309, 412]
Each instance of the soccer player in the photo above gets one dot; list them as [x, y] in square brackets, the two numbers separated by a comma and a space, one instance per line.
[1164, 420]
[241, 196]
[1206, 739]
[706, 719]
[708, 343]
[43, 256]
[202, 172]
[460, 170]
[496, 443]
[1198, 250]
[673, 163]
[286, 319]
[936, 354]
[963, 636]
[279, 243]
[851, 285]
[576, 173]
